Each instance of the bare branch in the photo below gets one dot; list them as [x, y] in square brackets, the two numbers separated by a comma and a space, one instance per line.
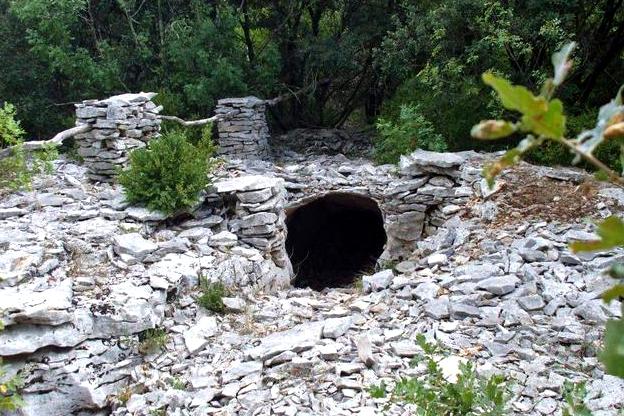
[41, 144]
[197, 122]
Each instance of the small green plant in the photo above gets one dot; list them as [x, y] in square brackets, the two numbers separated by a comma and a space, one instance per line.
[434, 395]
[161, 411]
[378, 392]
[410, 132]
[543, 120]
[168, 175]
[152, 340]
[16, 171]
[574, 395]
[212, 295]
[124, 395]
[9, 389]
[177, 383]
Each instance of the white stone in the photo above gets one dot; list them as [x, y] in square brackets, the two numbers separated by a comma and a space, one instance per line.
[197, 336]
[238, 370]
[133, 244]
[336, 327]
[378, 281]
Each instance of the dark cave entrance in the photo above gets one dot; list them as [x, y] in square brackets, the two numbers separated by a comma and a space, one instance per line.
[333, 239]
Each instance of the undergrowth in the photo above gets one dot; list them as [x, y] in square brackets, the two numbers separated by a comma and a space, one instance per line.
[212, 295]
[152, 340]
[434, 394]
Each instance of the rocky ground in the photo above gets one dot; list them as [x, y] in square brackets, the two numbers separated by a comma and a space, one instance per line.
[85, 274]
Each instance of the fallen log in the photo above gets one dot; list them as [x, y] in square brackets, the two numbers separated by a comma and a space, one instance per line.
[41, 144]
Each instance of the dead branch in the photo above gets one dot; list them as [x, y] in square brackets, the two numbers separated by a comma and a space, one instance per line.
[41, 144]
[289, 94]
[197, 122]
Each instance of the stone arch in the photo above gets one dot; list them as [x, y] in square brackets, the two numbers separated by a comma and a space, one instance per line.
[333, 238]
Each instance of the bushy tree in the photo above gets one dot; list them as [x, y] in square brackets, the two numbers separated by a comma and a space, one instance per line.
[436, 52]
[410, 132]
[16, 167]
[169, 174]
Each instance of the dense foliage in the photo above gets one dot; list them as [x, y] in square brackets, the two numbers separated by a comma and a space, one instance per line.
[17, 169]
[168, 175]
[543, 119]
[361, 59]
[409, 132]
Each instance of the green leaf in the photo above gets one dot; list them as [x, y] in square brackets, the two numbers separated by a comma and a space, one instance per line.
[615, 292]
[562, 63]
[588, 140]
[550, 124]
[617, 271]
[492, 129]
[612, 356]
[515, 97]
[611, 233]
[510, 158]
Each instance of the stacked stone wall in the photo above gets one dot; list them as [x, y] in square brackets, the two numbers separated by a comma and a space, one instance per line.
[243, 133]
[119, 124]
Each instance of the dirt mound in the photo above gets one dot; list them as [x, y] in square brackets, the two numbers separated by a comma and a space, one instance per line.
[530, 193]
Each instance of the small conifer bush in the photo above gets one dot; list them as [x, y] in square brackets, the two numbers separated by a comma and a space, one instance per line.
[169, 174]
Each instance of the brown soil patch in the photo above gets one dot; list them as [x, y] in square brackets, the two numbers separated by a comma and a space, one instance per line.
[528, 196]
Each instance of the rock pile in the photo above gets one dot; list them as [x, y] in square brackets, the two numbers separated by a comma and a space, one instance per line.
[244, 133]
[120, 124]
[257, 203]
[86, 275]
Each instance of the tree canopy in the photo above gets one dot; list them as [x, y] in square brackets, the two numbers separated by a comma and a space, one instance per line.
[361, 59]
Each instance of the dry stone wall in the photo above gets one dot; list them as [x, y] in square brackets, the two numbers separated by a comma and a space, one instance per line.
[427, 190]
[119, 124]
[256, 207]
[244, 133]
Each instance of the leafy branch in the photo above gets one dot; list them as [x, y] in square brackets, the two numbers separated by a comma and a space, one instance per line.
[542, 118]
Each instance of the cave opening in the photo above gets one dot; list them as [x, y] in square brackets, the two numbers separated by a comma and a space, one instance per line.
[333, 239]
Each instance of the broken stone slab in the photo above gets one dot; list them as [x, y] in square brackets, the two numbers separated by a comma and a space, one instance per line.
[531, 302]
[11, 212]
[499, 285]
[378, 281]
[300, 338]
[364, 347]
[142, 214]
[258, 220]
[234, 305]
[176, 268]
[196, 338]
[247, 183]
[134, 245]
[48, 307]
[336, 327]
[223, 239]
[21, 339]
[240, 369]
[422, 160]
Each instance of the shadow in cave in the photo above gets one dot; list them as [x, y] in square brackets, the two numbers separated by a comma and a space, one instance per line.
[333, 239]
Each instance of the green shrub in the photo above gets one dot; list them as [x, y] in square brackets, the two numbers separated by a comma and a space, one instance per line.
[168, 175]
[574, 396]
[212, 296]
[152, 340]
[9, 389]
[16, 171]
[409, 132]
[434, 395]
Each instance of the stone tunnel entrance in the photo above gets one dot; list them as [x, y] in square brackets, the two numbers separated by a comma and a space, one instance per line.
[333, 239]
